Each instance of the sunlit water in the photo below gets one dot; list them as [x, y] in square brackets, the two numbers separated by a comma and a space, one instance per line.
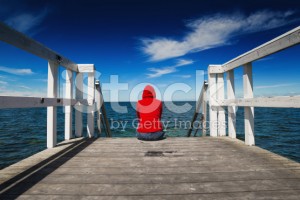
[23, 131]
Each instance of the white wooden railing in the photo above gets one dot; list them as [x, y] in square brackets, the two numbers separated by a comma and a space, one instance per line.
[217, 102]
[19, 40]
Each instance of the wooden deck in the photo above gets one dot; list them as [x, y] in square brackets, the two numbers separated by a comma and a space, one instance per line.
[175, 168]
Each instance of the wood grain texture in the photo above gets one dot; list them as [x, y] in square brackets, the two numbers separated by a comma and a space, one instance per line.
[175, 168]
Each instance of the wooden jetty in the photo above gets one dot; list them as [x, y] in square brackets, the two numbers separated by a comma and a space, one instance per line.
[174, 168]
[215, 167]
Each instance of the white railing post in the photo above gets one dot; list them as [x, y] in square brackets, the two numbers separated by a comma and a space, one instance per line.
[98, 102]
[68, 109]
[78, 107]
[91, 100]
[231, 108]
[249, 111]
[221, 111]
[52, 110]
[213, 115]
[204, 110]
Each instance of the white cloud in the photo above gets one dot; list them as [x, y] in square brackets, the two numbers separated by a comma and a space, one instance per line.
[24, 87]
[157, 72]
[274, 86]
[16, 71]
[3, 83]
[213, 31]
[182, 62]
[183, 76]
[26, 22]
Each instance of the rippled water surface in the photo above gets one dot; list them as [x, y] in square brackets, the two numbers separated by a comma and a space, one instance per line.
[23, 131]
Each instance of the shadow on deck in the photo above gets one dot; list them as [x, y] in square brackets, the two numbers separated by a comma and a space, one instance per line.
[175, 168]
[27, 173]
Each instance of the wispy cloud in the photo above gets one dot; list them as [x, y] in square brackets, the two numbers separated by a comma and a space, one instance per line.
[24, 87]
[157, 72]
[213, 31]
[26, 22]
[274, 86]
[16, 71]
[3, 83]
[183, 76]
[182, 62]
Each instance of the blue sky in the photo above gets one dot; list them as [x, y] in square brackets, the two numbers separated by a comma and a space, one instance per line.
[158, 42]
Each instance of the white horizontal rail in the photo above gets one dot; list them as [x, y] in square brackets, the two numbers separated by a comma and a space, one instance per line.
[22, 41]
[274, 102]
[31, 102]
[280, 43]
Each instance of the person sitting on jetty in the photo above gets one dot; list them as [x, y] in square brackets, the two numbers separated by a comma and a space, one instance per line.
[149, 111]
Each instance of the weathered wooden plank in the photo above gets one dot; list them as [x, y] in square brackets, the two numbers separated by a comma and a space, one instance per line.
[159, 170]
[166, 158]
[165, 178]
[163, 146]
[169, 156]
[150, 189]
[131, 162]
[170, 140]
[256, 195]
[25, 43]
[231, 168]
[176, 163]
[218, 154]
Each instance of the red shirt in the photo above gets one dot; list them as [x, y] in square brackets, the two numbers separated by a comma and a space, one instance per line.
[149, 111]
